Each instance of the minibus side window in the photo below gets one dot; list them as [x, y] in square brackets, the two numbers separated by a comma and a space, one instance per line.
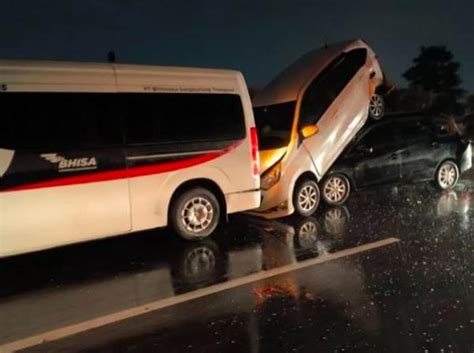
[182, 117]
[50, 120]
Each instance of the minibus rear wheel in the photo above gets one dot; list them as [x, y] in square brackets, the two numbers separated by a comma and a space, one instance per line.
[195, 213]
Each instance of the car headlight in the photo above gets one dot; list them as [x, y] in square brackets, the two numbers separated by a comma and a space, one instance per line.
[271, 176]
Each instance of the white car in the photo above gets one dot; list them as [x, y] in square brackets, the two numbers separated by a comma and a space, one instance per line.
[305, 118]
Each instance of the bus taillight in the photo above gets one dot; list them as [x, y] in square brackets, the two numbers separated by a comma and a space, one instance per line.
[254, 150]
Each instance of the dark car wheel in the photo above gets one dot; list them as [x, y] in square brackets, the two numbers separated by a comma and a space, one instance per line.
[336, 189]
[306, 198]
[376, 107]
[447, 175]
[195, 214]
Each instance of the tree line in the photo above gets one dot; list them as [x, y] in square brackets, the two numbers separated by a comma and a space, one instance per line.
[434, 86]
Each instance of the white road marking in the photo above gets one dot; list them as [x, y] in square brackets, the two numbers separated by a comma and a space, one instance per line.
[70, 330]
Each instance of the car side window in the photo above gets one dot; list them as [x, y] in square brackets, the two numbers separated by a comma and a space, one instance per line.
[329, 84]
[318, 97]
[415, 132]
[380, 140]
[347, 69]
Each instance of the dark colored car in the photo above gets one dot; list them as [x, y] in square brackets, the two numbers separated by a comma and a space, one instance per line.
[399, 151]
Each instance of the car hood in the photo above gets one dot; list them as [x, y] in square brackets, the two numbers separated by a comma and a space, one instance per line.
[269, 157]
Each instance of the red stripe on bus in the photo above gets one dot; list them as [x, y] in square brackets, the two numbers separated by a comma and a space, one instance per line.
[132, 172]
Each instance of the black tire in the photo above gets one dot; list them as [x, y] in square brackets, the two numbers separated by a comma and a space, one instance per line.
[182, 212]
[198, 263]
[307, 233]
[336, 220]
[376, 107]
[442, 180]
[335, 189]
[301, 193]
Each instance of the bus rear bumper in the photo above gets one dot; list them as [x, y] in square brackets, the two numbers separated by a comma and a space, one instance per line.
[243, 201]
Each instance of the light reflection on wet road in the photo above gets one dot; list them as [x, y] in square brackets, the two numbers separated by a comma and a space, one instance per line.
[414, 296]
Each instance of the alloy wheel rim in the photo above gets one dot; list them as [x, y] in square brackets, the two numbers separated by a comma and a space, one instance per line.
[199, 262]
[308, 234]
[335, 220]
[197, 214]
[447, 176]
[307, 198]
[376, 105]
[335, 189]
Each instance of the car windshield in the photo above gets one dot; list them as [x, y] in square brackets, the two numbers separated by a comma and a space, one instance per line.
[445, 126]
[274, 123]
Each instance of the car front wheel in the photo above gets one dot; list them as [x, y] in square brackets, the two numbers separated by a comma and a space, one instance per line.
[306, 198]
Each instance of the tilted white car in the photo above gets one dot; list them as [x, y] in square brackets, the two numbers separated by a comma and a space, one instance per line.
[305, 118]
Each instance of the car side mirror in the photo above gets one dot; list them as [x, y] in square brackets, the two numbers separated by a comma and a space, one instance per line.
[309, 130]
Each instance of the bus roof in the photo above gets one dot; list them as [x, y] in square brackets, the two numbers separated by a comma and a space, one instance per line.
[18, 74]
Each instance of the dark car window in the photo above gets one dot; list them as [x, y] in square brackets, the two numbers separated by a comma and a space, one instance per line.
[415, 132]
[329, 84]
[445, 127]
[346, 70]
[381, 139]
[274, 124]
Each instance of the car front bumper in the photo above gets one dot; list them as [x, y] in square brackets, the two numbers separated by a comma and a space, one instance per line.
[466, 159]
[276, 201]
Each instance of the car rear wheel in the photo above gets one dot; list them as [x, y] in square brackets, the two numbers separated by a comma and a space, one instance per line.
[447, 175]
[336, 189]
[376, 107]
[195, 214]
[306, 198]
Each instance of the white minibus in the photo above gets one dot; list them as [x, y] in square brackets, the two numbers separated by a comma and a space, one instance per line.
[95, 150]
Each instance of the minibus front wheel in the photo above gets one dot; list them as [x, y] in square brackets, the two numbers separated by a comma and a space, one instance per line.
[195, 213]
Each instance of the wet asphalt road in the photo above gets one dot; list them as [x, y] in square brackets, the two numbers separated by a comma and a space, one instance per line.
[335, 286]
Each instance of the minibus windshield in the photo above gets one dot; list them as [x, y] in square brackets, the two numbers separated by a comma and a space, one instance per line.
[274, 123]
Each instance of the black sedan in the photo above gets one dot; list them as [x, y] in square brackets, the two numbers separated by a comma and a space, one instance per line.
[399, 151]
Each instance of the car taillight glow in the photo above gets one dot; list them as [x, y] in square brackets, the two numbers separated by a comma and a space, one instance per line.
[254, 150]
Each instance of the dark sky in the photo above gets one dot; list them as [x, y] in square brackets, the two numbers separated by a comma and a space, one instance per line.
[257, 37]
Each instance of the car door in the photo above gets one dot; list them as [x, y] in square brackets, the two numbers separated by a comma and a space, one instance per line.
[380, 152]
[418, 160]
[336, 101]
[66, 178]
